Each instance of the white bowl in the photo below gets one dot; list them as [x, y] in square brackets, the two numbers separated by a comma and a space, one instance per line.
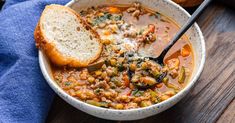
[165, 7]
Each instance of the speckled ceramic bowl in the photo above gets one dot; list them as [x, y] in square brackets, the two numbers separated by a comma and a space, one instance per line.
[165, 7]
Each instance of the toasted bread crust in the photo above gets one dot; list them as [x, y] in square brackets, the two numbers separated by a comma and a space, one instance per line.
[50, 49]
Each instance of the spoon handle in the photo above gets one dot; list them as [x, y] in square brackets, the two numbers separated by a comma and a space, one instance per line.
[185, 27]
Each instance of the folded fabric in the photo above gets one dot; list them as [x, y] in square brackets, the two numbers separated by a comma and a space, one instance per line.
[25, 96]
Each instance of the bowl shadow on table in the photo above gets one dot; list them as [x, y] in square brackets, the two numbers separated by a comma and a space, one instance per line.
[63, 112]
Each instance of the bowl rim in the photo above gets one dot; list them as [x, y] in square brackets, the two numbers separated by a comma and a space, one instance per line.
[185, 90]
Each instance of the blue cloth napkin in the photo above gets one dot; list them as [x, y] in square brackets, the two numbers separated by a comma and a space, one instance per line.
[25, 96]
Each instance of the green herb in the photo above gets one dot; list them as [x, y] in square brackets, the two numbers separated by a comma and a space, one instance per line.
[143, 104]
[134, 92]
[115, 71]
[101, 19]
[137, 93]
[153, 93]
[104, 104]
[99, 104]
[116, 17]
[165, 80]
[116, 81]
[107, 15]
[155, 73]
[182, 75]
[67, 83]
[141, 32]
[112, 86]
[120, 67]
[98, 90]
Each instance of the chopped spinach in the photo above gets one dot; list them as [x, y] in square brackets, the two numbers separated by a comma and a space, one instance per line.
[116, 81]
[105, 17]
[96, 103]
[101, 19]
[120, 67]
[182, 75]
[116, 17]
[141, 32]
[137, 93]
[67, 83]
[134, 92]
[97, 91]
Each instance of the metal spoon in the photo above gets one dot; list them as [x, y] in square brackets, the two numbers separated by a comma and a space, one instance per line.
[186, 26]
[181, 32]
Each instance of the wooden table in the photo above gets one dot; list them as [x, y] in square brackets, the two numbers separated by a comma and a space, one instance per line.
[213, 97]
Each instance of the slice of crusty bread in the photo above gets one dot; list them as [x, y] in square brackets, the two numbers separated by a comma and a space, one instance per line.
[66, 38]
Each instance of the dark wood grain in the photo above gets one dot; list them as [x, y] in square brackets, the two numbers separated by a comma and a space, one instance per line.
[229, 114]
[211, 100]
